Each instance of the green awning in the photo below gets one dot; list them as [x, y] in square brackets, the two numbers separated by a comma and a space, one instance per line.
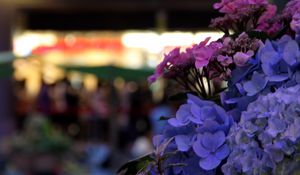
[6, 69]
[112, 72]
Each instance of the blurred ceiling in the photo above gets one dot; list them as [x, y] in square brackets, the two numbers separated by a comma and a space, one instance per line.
[114, 14]
[124, 5]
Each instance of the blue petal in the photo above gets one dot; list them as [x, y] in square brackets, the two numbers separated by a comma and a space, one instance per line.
[222, 152]
[176, 123]
[256, 84]
[213, 141]
[192, 99]
[209, 126]
[199, 149]
[182, 142]
[278, 78]
[209, 163]
[268, 54]
[282, 42]
[183, 113]
[291, 52]
[196, 116]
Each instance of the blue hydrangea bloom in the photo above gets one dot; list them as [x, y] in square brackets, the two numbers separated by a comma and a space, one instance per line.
[201, 113]
[276, 64]
[211, 148]
[268, 132]
[209, 125]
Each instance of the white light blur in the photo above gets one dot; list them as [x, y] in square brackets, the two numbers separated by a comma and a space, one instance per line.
[155, 43]
[25, 43]
[201, 36]
[175, 39]
[144, 40]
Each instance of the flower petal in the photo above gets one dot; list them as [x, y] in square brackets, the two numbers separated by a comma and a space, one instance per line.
[222, 152]
[176, 123]
[209, 163]
[183, 113]
[199, 149]
[182, 142]
[213, 141]
[256, 84]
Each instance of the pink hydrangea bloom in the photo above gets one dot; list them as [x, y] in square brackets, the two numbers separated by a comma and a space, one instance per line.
[226, 6]
[268, 14]
[241, 58]
[225, 60]
[170, 58]
[295, 24]
[174, 63]
[203, 53]
[291, 8]
[232, 6]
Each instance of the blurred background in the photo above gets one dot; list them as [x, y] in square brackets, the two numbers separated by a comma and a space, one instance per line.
[74, 99]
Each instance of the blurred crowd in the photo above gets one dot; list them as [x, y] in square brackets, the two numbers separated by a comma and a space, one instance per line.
[105, 127]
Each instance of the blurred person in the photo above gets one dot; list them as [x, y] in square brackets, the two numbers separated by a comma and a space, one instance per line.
[65, 107]
[23, 104]
[58, 103]
[141, 104]
[43, 102]
[100, 112]
[72, 116]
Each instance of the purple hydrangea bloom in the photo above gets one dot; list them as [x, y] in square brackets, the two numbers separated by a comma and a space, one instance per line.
[268, 132]
[276, 64]
[210, 125]
[211, 148]
[291, 8]
[201, 112]
[295, 24]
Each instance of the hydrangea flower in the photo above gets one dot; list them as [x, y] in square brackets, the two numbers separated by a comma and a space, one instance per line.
[232, 6]
[275, 65]
[203, 53]
[173, 64]
[244, 15]
[211, 148]
[268, 132]
[295, 25]
[210, 125]
[291, 8]
[241, 58]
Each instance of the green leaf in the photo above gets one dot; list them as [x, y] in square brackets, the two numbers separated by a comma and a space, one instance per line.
[137, 165]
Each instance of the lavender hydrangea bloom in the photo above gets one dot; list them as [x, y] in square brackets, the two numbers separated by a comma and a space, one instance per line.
[276, 64]
[201, 112]
[210, 125]
[211, 149]
[268, 132]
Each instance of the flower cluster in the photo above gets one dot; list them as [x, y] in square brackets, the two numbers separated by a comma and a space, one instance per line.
[267, 135]
[243, 15]
[291, 8]
[238, 51]
[200, 128]
[255, 128]
[185, 67]
[175, 63]
[276, 64]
